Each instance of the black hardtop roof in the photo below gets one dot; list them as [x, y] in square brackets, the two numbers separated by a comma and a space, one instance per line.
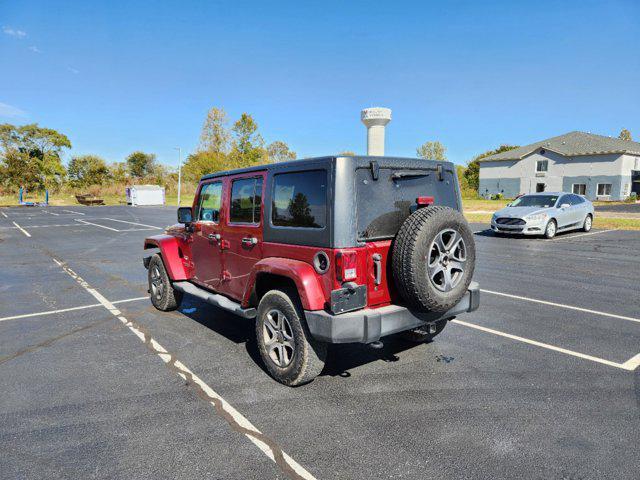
[358, 160]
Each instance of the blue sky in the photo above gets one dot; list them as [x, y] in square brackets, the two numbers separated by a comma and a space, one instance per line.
[120, 76]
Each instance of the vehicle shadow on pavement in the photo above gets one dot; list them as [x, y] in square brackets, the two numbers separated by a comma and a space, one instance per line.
[232, 327]
[341, 358]
[345, 357]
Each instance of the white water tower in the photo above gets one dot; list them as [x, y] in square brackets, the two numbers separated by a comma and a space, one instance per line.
[375, 119]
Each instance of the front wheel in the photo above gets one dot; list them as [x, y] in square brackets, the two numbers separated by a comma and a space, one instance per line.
[287, 349]
[163, 296]
[551, 229]
[588, 223]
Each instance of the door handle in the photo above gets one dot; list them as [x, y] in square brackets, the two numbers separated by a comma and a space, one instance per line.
[249, 241]
[214, 236]
[377, 268]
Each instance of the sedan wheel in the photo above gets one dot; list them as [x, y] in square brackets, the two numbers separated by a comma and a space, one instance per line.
[551, 229]
[588, 223]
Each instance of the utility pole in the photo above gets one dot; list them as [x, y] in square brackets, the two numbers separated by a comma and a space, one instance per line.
[179, 171]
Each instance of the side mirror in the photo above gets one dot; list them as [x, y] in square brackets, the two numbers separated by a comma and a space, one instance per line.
[184, 215]
[565, 205]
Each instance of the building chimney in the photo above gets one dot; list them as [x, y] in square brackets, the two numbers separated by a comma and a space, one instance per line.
[375, 119]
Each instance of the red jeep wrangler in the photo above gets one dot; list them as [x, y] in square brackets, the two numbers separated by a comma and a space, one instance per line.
[326, 250]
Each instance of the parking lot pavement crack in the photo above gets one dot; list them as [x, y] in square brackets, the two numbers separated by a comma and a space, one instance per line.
[223, 409]
[51, 340]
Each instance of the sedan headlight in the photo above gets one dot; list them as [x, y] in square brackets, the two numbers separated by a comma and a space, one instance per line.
[538, 217]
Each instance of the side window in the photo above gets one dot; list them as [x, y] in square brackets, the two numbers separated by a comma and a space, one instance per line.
[300, 199]
[246, 198]
[209, 202]
[564, 199]
[576, 200]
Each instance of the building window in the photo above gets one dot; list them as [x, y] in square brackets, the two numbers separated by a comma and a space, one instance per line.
[580, 188]
[542, 165]
[604, 189]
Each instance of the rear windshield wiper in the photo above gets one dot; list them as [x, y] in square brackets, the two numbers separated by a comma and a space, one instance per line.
[409, 173]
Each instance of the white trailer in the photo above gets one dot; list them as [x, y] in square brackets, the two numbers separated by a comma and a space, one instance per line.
[145, 195]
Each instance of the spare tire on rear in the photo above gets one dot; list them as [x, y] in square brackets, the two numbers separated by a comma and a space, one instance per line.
[433, 259]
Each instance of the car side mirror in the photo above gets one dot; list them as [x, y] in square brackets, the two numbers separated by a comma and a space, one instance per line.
[185, 215]
[565, 205]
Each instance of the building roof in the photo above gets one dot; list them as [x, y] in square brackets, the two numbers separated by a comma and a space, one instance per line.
[572, 144]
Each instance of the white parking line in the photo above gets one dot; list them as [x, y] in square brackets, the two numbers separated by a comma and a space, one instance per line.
[4, 215]
[71, 211]
[22, 229]
[569, 307]
[557, 239]
[224, 409]
[628, 365]
[63, 310]
[632, 363]
[134, 223]
[56, 214]
[96, 225]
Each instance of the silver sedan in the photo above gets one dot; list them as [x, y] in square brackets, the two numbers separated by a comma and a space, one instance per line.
[544, 214]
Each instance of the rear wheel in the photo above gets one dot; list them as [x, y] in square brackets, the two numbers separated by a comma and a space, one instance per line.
[588, 223]
[424, 334]
[551, 229]
[287, 349]
[163, 296]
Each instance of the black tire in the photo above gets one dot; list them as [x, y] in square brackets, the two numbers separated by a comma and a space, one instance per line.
[412, 259]
[162, 294]
[422, 335]
[551, 229]
[588, 223]
[304, 359]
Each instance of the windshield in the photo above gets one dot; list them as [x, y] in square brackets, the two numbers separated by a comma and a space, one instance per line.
[543, 201]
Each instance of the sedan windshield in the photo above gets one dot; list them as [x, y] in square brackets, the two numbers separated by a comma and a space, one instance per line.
[543, 201]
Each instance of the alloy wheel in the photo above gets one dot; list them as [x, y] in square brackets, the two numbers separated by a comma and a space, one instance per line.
[447, 260]
[278, 338]
[157, 285]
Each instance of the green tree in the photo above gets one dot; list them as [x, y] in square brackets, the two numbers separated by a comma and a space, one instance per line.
[278, 151]
[30, 156]
[248, 145]
[118, 172]
[215, 135]
[85, 170]
[432, 151]
[202, 163]
[141, 164]
[625, 135]
[472, 172]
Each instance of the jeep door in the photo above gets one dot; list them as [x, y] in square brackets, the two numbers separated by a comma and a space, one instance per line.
[242, 231]
[205, 248]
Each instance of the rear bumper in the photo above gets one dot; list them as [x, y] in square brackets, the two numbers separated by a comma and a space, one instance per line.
[370, 324]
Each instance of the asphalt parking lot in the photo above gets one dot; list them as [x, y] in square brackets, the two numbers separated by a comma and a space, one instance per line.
[541, 382]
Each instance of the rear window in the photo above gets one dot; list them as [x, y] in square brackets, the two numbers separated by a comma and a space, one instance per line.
[300, 199]
[384, 204]
[246, 198]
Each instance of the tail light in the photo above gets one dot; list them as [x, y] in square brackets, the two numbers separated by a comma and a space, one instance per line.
[346, 268]
[424, 201]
